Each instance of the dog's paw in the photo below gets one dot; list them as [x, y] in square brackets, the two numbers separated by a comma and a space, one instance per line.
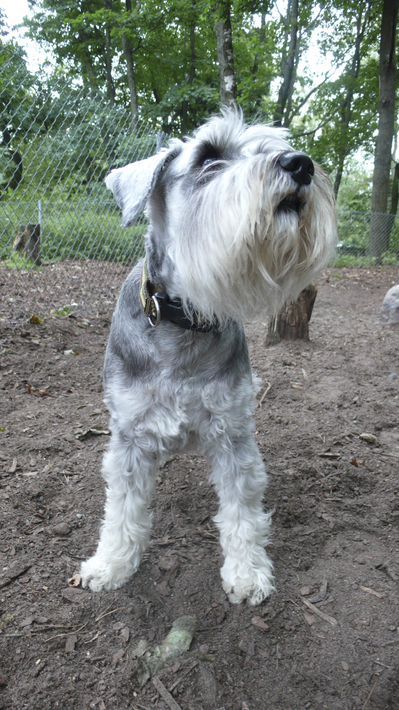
[98, 573]
[242, 581]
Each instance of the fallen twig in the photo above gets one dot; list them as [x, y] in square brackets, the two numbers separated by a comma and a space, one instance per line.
[106, 613]
[12, 576]
[263, 397]
[165, 695]
[183, 675]
[370, 693]
[317, 611]
[69, 633]
[371, 591]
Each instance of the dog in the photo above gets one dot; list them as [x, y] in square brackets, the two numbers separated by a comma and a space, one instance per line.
[239, 222]
[27, 240]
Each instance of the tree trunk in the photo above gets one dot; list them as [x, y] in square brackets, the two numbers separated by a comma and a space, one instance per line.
[288, 65]
[131, 80]
[293, 322]
[395, 191]
[108, 59]
[193, 68]
[346, 105]
[224, 41]
[379, 227]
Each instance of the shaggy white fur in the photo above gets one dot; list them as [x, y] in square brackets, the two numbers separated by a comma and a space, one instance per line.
[239, 222]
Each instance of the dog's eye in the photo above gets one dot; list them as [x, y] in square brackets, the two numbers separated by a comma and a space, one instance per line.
[208, 161]
[208, 156]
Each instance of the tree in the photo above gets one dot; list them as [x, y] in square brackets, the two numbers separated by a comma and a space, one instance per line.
[351, 76]
[341, 117]
[289, 63]
[224, 40]
[17, 98]
[380, 227]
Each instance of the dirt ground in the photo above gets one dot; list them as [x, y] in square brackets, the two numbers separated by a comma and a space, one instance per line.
[327, 639]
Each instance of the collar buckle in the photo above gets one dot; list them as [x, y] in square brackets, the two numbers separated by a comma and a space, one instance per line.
[153, 311]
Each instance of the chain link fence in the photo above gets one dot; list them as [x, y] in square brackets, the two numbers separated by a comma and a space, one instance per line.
[62, 247]
[367, 238]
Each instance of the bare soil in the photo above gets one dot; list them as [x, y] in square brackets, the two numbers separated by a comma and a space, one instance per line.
[335, 532]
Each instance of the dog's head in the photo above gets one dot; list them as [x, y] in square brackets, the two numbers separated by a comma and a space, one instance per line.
[239, 221]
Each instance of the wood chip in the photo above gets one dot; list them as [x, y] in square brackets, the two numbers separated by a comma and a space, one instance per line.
[259, 623]
[321, 594]
[13, 466]
[118, 655]
[71, 643]
[297, 386]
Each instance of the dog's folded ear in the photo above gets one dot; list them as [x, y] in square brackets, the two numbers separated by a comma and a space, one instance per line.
[133, 184]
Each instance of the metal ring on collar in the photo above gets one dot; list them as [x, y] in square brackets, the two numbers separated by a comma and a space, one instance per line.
[156, 322]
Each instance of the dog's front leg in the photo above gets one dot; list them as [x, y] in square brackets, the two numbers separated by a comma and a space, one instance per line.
[240, 479]
[129, 471]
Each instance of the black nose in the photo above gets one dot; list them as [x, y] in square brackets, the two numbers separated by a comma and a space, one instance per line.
[299, 165]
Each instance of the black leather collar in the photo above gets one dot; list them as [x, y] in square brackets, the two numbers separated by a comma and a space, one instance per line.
[158, 306]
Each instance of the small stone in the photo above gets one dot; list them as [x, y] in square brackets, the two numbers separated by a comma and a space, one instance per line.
[27, 622]
[393, 376]
[61, 529]
[71, 643]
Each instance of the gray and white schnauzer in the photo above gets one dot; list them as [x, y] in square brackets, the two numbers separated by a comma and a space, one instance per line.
[239, 223]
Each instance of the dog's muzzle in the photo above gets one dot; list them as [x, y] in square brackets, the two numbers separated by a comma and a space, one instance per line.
[299, 165]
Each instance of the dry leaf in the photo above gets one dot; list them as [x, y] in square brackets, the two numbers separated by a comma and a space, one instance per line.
[75, 581]
[370, 438]
[36, 319]
[118, 655]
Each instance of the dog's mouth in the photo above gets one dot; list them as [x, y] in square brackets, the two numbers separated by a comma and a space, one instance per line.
[290, 203]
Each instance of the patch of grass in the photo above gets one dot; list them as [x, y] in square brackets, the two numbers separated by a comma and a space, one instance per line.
[65, 311]
[81, 229]
[17, 260]
[352, 260]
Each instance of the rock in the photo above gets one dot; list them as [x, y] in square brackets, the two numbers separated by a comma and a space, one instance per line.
[61, 529]
[389, 313]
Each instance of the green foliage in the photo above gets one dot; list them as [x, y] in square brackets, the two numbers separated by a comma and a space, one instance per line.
[19, 261]
[74, 230]
[66, 126]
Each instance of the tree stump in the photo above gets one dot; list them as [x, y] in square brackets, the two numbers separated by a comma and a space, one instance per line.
[292, 323]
